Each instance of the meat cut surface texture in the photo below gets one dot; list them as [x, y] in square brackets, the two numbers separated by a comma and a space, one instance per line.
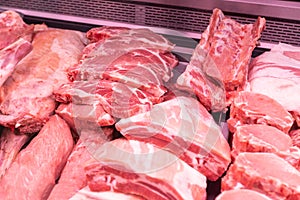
[279, 72]
[133, 167]
[185, 128]
[255, 108]
[26, 97]
[33, 173]
[295, 135]
[245, 194]
[263, 172]
[219, 65]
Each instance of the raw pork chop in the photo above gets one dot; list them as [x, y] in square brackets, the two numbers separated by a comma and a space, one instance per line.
[255, 108]
[278, 71]
[185, 128]
[10, 145]
[263, 138]
[263, 172]
[219, 65]
[73, 178]
[12, 27]
[242, 194]
[26, 97]
[138, 168]
[32, 175]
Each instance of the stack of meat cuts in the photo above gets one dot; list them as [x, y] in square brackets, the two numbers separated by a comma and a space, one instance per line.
[219, 65]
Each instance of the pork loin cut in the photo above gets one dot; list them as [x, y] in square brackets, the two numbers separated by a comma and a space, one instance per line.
[219, 65]
[279, 73]
[185, 128]
[32, 175]
[10, 145]
[26, 100]
[242, 193]
[138, 168]
[263, 138]
[255, 108]
[72, 178]
[263, 172]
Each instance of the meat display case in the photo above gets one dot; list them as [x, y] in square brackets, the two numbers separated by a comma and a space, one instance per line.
[179, 21]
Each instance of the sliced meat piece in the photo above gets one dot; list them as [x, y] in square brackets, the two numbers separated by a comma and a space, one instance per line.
[263, 138]
[32, 175]
[279, 73]
[295, 135]
[263, 172]
[72, 178]
[10, 56]
[12, 27]
[220, 61]
[255, 108]
[101, 33]
[138, 168]
[87, 194]
[242, 193]
[185, 128]
[26, 97]
[10, 145]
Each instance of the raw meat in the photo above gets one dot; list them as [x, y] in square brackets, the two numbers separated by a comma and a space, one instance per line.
[279, 73]
[26, 97]
[295, 135]
[73, 177]
[87, 194]
[263, 138]
[185, 128]
[12, 27]
[10, 145]
[255, 108]
[263, 172]
[10, 56]
[219, 65]
[242, 193]
[138, 168]
[32, 175]
[100, 34]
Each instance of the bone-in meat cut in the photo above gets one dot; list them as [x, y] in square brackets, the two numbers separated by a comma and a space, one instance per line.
[184, 127]
[278, 71]
[26, 100]
[263, 172]
[134, 167]
[219, 65]
[33, 173]
[242, 193]
[255, 108]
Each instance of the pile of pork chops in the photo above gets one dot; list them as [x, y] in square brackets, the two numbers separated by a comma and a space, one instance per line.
[96, 115]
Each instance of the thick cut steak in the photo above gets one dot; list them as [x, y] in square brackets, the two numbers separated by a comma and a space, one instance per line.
[263, 138]
[263, 172]
[245, 194]
[32, 175]
[185, 128]
[219, 65]
[255, 108]
[133, 167]
[26, 97]
[72, 178]
[10, 145]
[277, 75]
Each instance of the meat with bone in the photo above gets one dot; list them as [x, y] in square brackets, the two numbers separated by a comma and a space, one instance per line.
[242, 193]
[185, 128]
[73, 178]
[279, 72]
[219, 65]
[10, 56]
[263, 138]
[33, 173]
[263, 172]
[26, 97]
[10, 145]
[12, 28]
[138, 168]
[255, 108]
